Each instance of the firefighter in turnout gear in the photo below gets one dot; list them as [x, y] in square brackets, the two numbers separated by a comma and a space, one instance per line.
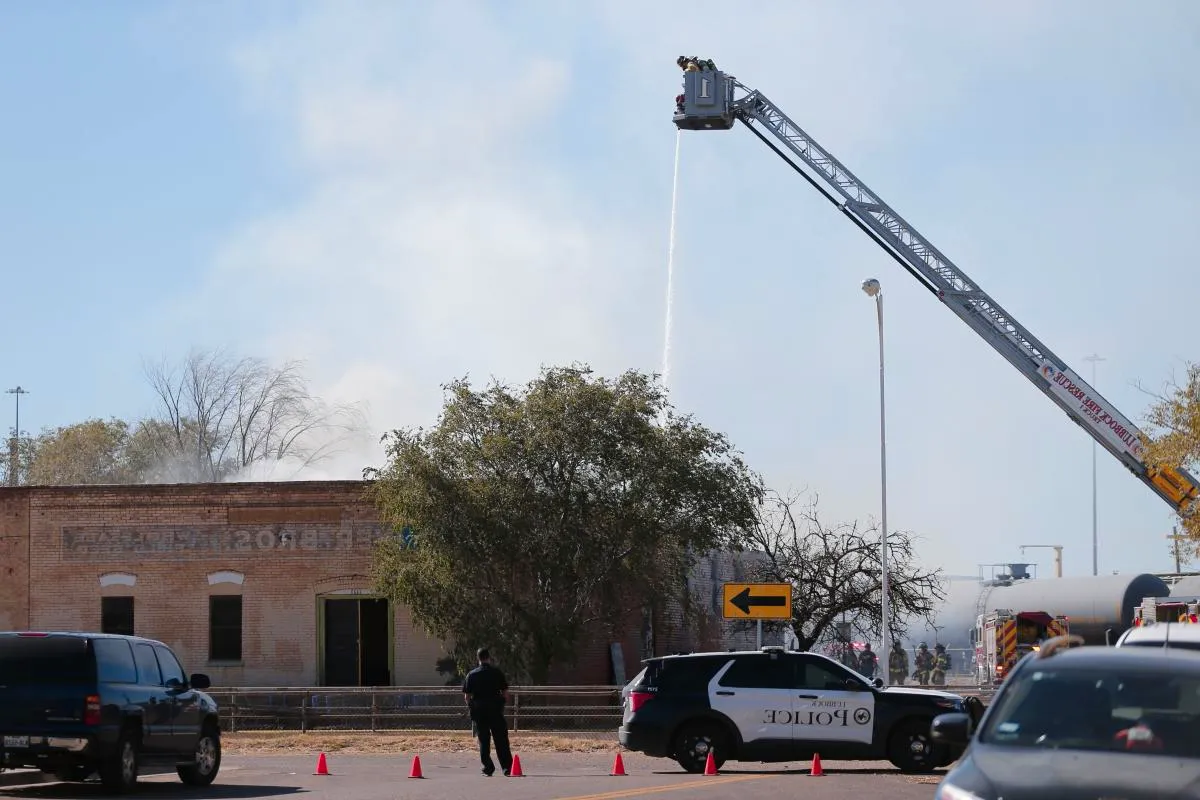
[924, 663]
[897, 665]
[941, 664]
[867, 662]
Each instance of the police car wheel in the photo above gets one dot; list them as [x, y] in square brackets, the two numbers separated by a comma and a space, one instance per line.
[695, 741]
[911, 749]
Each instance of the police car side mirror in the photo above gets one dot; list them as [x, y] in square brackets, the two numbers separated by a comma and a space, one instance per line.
[951, 729]
[877, 683]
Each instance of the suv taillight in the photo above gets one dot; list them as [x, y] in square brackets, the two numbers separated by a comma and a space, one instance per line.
[91, 710]
[639, 699]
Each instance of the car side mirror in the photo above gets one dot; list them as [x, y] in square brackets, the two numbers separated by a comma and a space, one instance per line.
[951, 729]
[877, 683]
[175, 685]
[200, 681]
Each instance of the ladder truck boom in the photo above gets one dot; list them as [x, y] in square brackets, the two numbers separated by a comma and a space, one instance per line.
[715, 100]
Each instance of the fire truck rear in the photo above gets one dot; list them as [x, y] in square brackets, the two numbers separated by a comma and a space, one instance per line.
[1003, 637]
[1166, 609]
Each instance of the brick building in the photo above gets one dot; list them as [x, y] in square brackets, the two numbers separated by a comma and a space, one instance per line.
[255, 584]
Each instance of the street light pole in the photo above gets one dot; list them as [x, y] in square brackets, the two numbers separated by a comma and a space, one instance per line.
[15, 452]
[1095, 538]
[873, 289]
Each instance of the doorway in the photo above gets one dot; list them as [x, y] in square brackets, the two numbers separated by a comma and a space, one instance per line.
[357, 641]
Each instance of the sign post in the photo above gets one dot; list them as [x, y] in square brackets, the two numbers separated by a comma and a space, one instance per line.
[757, 601]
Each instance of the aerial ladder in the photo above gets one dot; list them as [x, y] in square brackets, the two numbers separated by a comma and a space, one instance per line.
[715, 100]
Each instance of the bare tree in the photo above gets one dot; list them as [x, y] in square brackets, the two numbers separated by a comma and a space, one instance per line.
[836, 572]
[218, 413]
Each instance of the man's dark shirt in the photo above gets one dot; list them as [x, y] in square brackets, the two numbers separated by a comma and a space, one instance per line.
[484, 684]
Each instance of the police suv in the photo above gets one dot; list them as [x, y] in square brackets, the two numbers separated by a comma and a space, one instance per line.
[778, 705]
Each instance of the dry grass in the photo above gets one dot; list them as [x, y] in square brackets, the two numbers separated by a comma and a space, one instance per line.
[260, 743]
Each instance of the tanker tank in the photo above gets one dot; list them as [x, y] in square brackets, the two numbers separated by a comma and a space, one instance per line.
[1092, 604]
[1187, 587]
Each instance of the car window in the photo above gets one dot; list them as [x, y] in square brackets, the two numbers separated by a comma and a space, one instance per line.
[1116, 710]
[114, 661]
[32, 660]
[765, 671]
[687, 674]
[814, 674]
[148, 672]
[170, 665]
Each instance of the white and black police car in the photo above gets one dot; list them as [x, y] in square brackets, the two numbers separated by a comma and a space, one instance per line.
[778, 705]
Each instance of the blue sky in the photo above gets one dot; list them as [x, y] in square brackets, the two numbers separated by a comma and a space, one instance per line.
[404, 193]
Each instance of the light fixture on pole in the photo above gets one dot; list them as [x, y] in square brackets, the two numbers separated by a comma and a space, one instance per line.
[15, 451]
[1095, 538]
[872, 288]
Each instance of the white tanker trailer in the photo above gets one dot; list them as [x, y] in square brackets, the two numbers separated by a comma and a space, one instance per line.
[1098, 608]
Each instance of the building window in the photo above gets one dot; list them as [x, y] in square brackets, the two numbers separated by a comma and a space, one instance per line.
[116, 615]
[225, 627]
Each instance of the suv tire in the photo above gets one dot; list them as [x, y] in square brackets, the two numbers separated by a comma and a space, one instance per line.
[203, 771]
[696, 740]
[119, 772]
[911, 749]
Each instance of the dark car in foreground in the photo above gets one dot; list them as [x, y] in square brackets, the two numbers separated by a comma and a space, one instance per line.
[1084, 722]
[778, 705]
[78, 704]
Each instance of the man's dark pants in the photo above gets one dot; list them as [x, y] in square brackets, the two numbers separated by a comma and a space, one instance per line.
[491, 727]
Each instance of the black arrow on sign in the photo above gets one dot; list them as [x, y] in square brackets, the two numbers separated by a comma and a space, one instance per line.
[744, 601]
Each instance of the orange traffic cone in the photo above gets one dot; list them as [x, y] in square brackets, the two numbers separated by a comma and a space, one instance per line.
[710, 766]
[516, 768]
[618, 765]
[415, 772]
[816, 767]
[322, 767]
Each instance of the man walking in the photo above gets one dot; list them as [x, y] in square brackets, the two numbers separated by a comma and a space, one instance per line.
[485, 691]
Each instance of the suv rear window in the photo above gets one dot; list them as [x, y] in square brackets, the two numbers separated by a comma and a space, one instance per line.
[682, 674]
[39, 660]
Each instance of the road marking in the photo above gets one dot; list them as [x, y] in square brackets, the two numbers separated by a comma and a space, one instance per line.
[675, 787]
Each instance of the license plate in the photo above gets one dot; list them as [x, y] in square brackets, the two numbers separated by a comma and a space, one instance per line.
[16, 741]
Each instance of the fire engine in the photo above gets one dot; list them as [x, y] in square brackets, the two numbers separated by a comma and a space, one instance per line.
[1003, 637]
[1167, 609]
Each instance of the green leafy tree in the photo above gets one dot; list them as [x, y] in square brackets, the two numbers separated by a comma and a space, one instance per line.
[835, 573]
[538, 512]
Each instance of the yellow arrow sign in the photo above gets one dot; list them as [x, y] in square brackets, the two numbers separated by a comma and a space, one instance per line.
[758, 601]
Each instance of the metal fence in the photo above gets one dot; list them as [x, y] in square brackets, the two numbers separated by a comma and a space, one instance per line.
[543, 708]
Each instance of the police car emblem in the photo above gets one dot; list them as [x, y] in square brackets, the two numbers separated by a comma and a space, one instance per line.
[862, 716]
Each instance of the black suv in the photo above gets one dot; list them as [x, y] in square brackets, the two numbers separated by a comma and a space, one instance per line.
[76, 704]
[779, 705]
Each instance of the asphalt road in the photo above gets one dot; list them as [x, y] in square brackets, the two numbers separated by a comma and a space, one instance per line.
[547, 777]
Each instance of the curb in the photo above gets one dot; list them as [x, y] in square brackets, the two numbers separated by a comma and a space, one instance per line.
[22, 777]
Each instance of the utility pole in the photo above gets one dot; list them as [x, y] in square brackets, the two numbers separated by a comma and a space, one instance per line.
[1175, 540]
[14, 452]
[1095, 539]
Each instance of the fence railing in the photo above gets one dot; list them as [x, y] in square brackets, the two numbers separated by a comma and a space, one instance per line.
[544, 708]
[540, 708]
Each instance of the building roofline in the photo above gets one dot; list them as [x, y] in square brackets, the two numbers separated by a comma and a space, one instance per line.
[109, 488]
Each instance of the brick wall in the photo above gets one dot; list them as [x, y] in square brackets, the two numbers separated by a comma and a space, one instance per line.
[281, 546]
[14, 559]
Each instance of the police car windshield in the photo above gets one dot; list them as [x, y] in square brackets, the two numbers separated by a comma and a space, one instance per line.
[1112, 710]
